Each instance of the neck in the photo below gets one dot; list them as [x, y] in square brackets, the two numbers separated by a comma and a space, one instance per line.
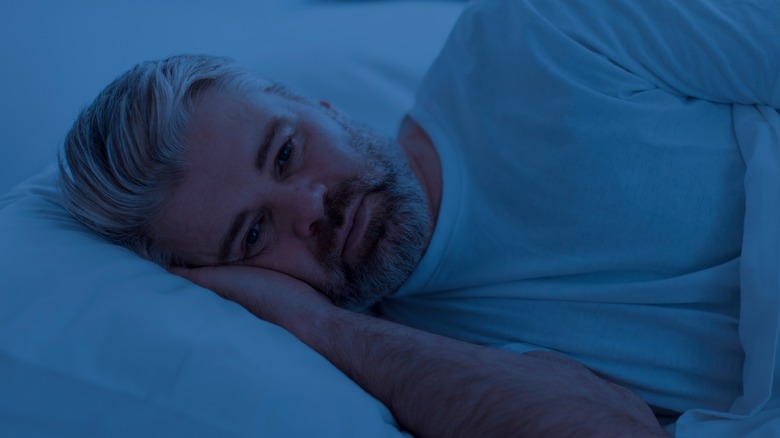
[424, 162]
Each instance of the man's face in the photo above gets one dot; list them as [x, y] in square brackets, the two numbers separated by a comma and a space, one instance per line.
[296, 188]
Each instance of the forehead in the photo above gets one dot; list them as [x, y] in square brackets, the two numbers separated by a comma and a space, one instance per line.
[216, 116]
[221, 133]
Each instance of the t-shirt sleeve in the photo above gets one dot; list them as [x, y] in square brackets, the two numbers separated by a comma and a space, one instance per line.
[725, 51]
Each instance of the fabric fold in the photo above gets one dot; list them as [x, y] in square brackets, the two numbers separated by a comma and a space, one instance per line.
[758, 134]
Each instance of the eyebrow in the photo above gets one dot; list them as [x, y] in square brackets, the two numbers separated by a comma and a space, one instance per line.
[270, 133]
[262, 154]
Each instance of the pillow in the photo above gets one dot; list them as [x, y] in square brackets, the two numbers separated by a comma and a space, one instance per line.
[96, 341]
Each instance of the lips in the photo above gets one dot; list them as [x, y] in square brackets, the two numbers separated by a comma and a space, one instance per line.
[359, 218]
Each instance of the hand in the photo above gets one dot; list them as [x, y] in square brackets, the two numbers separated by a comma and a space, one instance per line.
[269, 295]
[575, 399]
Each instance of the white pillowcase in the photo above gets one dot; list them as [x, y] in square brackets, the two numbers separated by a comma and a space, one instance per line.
[95, 341]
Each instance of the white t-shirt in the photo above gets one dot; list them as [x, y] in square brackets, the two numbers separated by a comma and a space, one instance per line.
[593, 187]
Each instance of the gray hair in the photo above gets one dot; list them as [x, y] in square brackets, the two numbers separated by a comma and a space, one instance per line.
[125, 151]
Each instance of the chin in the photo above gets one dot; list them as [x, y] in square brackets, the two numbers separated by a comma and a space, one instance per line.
[385, 267]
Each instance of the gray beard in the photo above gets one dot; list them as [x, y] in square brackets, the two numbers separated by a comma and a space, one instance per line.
[397, 233]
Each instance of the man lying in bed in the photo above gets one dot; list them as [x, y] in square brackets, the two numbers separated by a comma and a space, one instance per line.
[569, 183]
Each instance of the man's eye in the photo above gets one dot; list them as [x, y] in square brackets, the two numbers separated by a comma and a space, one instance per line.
[284, 154]
[253, 235]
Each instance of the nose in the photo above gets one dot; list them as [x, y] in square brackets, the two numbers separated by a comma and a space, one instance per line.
[305, 205]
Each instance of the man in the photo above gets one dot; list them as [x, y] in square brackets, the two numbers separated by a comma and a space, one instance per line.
[569, 180]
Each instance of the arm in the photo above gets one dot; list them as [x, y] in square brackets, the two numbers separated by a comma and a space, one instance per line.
[437, 386]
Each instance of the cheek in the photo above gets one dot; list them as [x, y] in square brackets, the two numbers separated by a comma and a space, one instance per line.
[335, 147]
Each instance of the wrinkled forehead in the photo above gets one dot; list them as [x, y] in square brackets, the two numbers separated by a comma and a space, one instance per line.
[222, 125]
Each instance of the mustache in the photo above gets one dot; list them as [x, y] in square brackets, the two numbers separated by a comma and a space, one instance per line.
[339, 199]
[336, 204]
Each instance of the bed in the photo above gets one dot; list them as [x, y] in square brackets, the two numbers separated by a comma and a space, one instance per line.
[95, 341]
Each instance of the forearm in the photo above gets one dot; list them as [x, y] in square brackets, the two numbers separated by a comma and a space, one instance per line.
[436, 386]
